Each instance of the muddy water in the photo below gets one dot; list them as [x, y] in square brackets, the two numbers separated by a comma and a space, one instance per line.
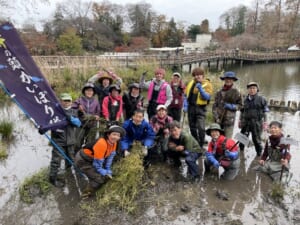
[248, 195]
[28, 152]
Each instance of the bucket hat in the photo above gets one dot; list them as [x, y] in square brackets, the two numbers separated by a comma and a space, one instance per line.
[214, 126]
[229, 74]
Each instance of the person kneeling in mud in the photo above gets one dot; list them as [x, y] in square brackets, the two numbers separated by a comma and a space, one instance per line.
[95, 159]
[181, 144]
[222, 152]
[137, 129]
[275, 160]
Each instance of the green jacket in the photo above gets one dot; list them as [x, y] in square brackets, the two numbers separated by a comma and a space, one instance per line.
[188, 141]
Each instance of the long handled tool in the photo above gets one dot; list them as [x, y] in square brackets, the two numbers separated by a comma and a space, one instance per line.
[241, 138]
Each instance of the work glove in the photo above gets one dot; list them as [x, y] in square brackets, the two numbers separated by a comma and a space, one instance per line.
[185, 105]
[126, 153]
[229, 106]
[75, 121]
[231, 155]
[204, 95]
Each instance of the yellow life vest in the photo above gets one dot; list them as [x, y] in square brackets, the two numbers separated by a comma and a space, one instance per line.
[207, 86]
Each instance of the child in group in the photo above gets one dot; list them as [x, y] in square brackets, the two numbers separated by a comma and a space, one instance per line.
[89, 114]
[65, 138]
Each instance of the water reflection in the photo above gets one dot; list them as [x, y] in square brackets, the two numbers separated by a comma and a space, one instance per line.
[277, 81]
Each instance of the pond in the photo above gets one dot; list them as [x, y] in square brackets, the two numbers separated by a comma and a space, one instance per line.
[30, 152]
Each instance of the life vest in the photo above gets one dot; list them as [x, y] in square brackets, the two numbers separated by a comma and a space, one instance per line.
[162, 93]
[99, 149]
[206, 84]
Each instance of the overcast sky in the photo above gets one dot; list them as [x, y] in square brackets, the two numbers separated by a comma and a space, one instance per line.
[189, 11]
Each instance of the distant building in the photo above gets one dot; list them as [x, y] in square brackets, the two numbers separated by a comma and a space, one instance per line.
[202, 41]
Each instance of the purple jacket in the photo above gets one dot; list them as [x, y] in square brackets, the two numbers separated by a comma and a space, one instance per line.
[90, 106]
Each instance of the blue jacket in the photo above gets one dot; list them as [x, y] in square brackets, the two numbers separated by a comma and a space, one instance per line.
[142, 132]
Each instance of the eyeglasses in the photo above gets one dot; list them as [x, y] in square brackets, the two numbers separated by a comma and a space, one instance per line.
[66, 100]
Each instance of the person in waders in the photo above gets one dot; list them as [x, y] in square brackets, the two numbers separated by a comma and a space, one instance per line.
[222, 151]
[227, 102]
[198, 93]
[65, 138]
[95, 159]
[253, 117]
[275, 160]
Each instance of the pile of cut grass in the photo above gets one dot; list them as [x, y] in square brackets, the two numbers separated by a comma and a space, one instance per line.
[126, 184]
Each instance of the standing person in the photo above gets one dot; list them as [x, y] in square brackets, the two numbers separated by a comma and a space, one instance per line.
[65, 138]
[198, 93]
[89, 113]
[159, 92]
[178, 88]
[95, 159]
[223, 152]
[102, 80]
[253, 116]
[137, 129]
[275, 160]
[182, 144]
[160, 124]
[132, 100]
[112, 105]
[227, 101]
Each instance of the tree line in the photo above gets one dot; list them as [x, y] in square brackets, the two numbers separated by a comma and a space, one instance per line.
[92, 27]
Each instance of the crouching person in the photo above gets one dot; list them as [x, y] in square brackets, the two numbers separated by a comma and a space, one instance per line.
[95, 159]
[276, 157]
[137, 129]
[222, 152]
[181, 144]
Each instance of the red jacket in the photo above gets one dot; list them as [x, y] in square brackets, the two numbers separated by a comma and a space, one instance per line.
[105, 106]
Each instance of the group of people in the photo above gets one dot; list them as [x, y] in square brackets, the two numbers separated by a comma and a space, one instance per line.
[162, 135]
